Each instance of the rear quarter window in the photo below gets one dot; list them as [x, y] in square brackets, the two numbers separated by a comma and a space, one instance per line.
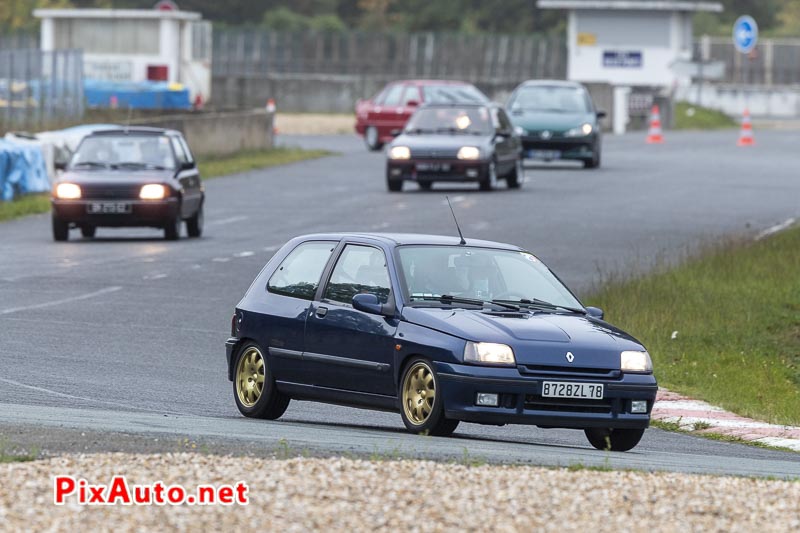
[299, 273]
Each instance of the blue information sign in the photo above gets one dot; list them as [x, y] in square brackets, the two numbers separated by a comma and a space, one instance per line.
[626, 59]
[745, 34]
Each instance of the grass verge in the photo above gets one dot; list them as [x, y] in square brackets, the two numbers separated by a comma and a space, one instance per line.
[692, 117]
[723, 327]
[209, 168]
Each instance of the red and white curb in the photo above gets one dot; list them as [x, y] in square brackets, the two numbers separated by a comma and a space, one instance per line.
[701, 417]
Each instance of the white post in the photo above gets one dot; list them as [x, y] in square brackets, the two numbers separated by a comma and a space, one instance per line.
[619, 122]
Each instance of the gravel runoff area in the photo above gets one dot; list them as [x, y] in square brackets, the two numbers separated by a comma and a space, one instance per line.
[306, 494]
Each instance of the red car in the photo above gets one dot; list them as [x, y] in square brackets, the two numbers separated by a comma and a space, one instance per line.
[383, 116]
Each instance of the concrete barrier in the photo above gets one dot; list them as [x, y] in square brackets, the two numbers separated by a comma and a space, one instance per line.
[217, 134]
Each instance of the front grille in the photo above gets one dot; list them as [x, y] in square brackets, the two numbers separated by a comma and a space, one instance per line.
[110, 191]
[569, 371]
[434, 153]
[534, 402]
[564, 146]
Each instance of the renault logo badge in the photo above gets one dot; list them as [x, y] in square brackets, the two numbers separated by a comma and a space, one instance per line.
[570, 357]
[546, 134]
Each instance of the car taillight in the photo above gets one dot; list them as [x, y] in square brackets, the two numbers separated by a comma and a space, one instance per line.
[234, 325]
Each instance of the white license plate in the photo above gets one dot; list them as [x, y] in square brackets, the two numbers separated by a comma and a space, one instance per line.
[561, 389]
[433, 167]
[544, 154]
[109, 208]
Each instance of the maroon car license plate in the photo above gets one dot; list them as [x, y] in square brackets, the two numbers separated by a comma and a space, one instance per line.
[109, 208]
[433, 167]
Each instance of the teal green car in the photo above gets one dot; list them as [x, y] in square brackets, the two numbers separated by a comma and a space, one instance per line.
[556, 120]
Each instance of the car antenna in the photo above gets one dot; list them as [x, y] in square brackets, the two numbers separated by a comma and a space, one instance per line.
[456, 220]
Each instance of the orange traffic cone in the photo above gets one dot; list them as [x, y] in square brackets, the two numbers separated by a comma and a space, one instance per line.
[654, 133]
[746, 133]
[271, 105]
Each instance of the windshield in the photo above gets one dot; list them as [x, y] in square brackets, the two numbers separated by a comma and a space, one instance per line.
[446, 94]
[133, 152]
[551, 98]
[479, 273]
[463, 120]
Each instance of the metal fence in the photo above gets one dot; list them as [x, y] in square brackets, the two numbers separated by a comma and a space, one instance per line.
[255, 53]
[40, 88]
[772, 62]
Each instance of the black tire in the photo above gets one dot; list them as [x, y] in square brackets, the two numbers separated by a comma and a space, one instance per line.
[394, 185]
[88, 231]
[371, 139]
[514, 179]
[615, 440]
[194, 226]
[490, 181]
[270, 403]
[172, 229]
[60, 229]
[594, 162]
[425, 185]
[434, 422]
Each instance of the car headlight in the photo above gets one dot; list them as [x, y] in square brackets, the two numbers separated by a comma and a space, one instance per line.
[631, 361]
[489, 353]
[399, 152]
[68, 191]
[469, 152]
[153, 191]
[580, 131]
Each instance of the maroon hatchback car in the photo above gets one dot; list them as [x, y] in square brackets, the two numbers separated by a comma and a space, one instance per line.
[383, 116]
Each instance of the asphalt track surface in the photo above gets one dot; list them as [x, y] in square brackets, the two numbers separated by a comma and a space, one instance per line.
[124, 333]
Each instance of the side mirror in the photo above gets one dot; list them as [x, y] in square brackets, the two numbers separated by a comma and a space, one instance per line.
[595, 312]
[601, 114]
[187, 165]
[412, 103]
[502, 134]
[60, 165]
[367, 303]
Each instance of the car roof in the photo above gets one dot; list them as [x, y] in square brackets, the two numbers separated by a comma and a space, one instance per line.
[134, 130]
[551, 83]
[460, 104]
[402, 239]
[434, 82]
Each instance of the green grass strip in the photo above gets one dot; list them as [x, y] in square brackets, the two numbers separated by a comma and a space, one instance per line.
[736, 311]
[209, 168]
[692, 117]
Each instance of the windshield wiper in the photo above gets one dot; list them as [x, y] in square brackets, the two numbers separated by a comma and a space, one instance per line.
[96, 164]
[535, 302]
[450, 299]
[136, 164]
[415, 131]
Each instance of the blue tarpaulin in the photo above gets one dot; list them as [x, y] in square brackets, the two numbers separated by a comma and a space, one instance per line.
[136, 95]
[22, 170]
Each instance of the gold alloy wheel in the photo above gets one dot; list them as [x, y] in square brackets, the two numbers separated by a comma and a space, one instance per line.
[250, 377]
[419, 393]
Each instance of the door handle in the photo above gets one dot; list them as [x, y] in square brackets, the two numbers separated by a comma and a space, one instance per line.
[321, 312]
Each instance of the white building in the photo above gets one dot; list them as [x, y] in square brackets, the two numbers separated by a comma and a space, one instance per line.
[630, 42]
[134, 44]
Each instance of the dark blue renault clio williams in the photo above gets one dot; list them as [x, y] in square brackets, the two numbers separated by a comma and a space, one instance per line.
[439, 329]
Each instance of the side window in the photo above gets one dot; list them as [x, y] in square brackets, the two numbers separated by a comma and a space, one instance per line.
[393, 95]
[179, 153]
[299, 274]
[412, 94]
[360, 269]
[505, 123]
[186, 150]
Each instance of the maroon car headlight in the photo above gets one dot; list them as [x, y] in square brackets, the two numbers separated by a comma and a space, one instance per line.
[68, 191]
[489, 353]
[153, 191]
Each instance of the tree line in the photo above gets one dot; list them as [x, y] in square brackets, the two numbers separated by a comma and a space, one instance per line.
[775, 17]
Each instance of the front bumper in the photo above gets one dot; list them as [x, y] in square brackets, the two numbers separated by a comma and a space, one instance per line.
[521, 401]
[153, 213]
[430, 170]
[567, 147]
